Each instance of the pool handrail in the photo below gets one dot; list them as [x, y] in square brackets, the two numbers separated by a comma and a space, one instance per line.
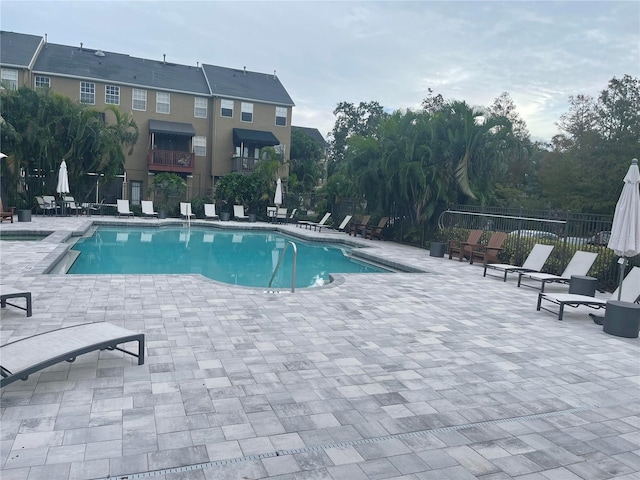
[293, 269]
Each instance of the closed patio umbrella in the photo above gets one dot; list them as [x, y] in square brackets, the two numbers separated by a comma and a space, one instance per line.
[63, 182]
[625, 231]
[277, 198]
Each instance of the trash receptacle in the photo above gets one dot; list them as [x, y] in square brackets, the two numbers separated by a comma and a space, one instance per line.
[24, 215]
[436, 249]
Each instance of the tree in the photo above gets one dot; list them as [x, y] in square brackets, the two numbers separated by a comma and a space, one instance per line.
[306, 158]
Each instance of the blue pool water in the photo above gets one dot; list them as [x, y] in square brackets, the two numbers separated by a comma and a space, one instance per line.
[235, 257]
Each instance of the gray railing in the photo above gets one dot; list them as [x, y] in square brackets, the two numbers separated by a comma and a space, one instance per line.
[293, 267]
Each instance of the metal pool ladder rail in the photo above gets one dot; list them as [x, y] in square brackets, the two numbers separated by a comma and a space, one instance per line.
[293, 268]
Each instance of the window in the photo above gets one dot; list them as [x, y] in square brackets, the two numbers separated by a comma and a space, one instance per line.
[226, 108]
[281, 116]
[88, 93]
[43, 82]
[280, 150]
[247, 112]
[200, 146]
[163, 102]
[200, 107]
[136, 192]
[139, 100]
[9, 79]
[112, 95]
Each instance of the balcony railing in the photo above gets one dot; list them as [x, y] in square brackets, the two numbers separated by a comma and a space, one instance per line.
[243, 164]
[170, 161]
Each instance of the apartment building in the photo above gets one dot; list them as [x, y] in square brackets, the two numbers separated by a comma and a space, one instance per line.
[199, 121]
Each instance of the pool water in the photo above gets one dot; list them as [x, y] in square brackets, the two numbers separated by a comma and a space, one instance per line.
[235, 257]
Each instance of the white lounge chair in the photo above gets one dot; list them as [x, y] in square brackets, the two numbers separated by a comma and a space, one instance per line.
[70, 204]
[210, 211]
[315, 225]
[533, 263]
[238, 213]
[291, 217]
[630, 293]
[7, 292]
[123, 208]
[579, 265]
[147, 209]
[23, 357]
[281, 215]
[271, 213]
[185, 210]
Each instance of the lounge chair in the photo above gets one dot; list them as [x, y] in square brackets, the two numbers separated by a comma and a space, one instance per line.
[147, 209]
[238, 213]
[463, 249]
[45, 207]
[579, 265]
[489, 252]
[185, 210]
[271, 213]
[123, 208]
[533, 263]
[376, 232]
[281, 215]
[6, 214]
[23, 357]
[630, 293]
[292, 216]
[50, 201]
[345, 222]
[7, 292]
[316, 225]
[70, 204]
[210, 211]
[359, 227]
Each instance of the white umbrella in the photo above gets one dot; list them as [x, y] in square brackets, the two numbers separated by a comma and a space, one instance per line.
[625, 231]
[277, 199]
[63, 179]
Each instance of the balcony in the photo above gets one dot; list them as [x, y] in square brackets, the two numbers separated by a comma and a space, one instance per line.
[243, 164]
[170, 161]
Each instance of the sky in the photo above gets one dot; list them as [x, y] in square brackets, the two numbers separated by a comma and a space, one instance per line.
[392, 52]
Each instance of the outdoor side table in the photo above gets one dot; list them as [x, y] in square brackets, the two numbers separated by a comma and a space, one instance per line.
[436, 249]
[582, 285]
[622, 319]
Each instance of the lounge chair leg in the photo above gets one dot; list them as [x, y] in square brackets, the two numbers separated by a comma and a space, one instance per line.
[539, 301]
[561, 312]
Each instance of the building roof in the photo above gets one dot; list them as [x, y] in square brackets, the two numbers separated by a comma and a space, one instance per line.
[18, 49]
[314, 133]
[246, 85]
[90, 64]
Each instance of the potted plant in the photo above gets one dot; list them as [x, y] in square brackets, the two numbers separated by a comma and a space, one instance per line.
[167, 185]
[236, 189]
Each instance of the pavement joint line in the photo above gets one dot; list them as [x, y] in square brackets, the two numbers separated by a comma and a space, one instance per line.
[362, 441]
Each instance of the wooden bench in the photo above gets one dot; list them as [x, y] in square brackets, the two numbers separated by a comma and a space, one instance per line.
[23, 357]
[10, 292]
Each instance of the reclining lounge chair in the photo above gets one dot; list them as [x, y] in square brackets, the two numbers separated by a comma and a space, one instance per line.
[316, 225]
[238, 213]
[123, 208]
[23, 357]
[147, 209]
[533, 263]
[10, 292]
[630, 293]
[579, 265]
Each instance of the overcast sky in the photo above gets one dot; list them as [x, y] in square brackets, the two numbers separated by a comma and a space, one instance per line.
[332, 51]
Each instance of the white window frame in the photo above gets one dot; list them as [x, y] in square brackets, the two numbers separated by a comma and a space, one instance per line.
[199, 144]
[42, 82]
[246, 108]
[88, 93]
[163, 98]
[112, 95]
[9, 78]
[281, 112]
[139, 95]
[226, 105]
[200, 107]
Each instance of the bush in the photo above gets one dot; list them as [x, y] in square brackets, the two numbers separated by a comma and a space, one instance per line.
[197, 205]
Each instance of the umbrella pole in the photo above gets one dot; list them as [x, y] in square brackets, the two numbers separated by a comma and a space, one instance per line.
[623, 262]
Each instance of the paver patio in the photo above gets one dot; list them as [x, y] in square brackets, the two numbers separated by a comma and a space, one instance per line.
[436, 375]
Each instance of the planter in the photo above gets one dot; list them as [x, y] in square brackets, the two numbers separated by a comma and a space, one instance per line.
[24, 215]
[252, 217]
[162, 213]
[224, 216]
[437, 249]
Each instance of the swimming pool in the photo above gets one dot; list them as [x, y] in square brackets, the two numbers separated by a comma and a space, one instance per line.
[238, 257]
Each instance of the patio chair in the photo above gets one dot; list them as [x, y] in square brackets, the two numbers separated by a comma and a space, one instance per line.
[463, 249]
[6, 214]
[359, 227]
[45, 207]
[123, 208]
[281, 215]
[316, 225]
[238, 213]
[489, 252]
[344, 224]
[185, 210]
[292, 216]
[210, 211]
[70, 204]
[630, 293]
[579, 265]
[147, 209]
[7, 292]
[271, 213]
[377, 231]
[533, 263]
[28, 355]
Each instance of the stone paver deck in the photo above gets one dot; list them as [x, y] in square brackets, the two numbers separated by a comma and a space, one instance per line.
[436, 375]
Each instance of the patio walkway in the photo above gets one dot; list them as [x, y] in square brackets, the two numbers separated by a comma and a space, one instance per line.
[435, 375]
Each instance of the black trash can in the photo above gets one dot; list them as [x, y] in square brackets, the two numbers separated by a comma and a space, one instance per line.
[437, 249]
[24, 215]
